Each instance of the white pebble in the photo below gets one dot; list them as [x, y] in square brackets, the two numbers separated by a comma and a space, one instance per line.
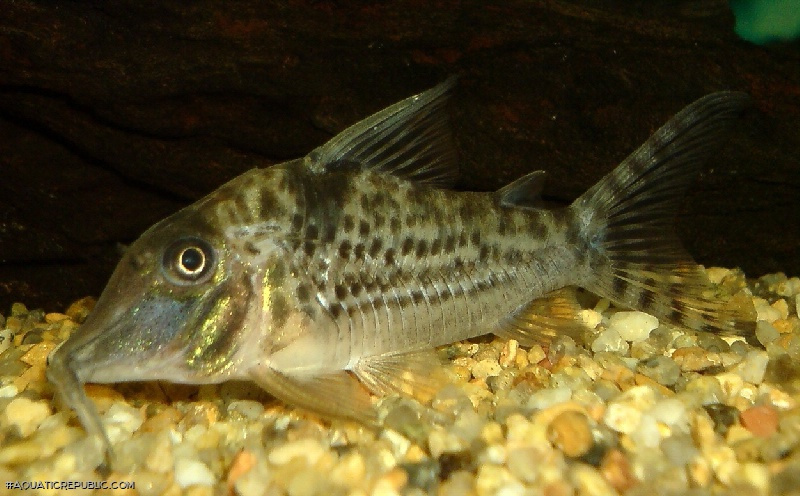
[765, 311]
[305, 448]
[26, 414]
[8, 391]
[190, 472]
[486, 368]
[589, 482]
[642, 397]
[797, 304]
[247, 408]
[6, 338]
[633, 326]
[398, 442]
[671, 412]
[591, 318]
[646, 433]
[610, 340]
[717, 274]
[122, 421]
[622, 418]
[546, 398]
[766, 332]
[753, 367]
[441, 441]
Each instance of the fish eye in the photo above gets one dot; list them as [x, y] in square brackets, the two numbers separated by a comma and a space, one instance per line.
[189, 260]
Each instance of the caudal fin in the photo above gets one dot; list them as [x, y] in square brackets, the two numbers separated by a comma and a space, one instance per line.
[627, 220]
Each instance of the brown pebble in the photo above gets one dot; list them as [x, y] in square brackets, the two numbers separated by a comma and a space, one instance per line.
[202, 413]
[53, 317]
[31, 377]
[643, 380]
[783, 326]
[162, 420]
[37, 355]
[570, 432]
[695, 358]
[616, 470]
[80, 309]
[241, 464]
[761, 420]
[508, 354]
[103, 393]
[620, 375]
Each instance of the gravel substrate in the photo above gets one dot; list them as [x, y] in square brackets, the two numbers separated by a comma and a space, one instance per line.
[633, 407]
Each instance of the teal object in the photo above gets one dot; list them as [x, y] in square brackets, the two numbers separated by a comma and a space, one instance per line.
[765, 21]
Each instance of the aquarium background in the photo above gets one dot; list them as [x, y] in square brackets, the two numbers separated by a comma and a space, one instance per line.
[111, 119]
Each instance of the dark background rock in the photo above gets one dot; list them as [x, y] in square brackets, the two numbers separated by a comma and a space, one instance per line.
[115, 114]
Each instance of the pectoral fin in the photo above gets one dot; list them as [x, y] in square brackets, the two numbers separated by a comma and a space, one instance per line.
[335, 394]
[416, 374]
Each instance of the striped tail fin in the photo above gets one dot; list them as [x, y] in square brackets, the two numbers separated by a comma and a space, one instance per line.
[627, 220]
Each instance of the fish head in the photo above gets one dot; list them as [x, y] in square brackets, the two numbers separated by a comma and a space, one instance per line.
[173, 309]
[176, 307]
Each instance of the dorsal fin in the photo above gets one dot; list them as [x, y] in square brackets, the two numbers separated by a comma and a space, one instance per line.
[410, 139]
[525, 192]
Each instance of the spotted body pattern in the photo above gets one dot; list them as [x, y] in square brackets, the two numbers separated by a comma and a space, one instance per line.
[329, 274]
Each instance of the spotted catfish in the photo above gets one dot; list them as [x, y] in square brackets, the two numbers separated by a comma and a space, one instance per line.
[325, 277]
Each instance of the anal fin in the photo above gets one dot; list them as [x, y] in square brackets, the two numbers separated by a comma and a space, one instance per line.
[543, 319]
[335, 394]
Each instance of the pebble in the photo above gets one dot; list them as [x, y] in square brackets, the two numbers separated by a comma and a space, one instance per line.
[765, 311]
[616, 470]
[695, 358]
[656, 408]
[349, 470]
[6, 339]
[609, 340]
[781, 306]
[522, 462]
[723, 416]
[536, 354]
[591, 318]
[444, 441]
[761, 420]
[26, 415]
[53, 317]
[570, 432]
[18, 309]
[672, 413]
[753, 367]
[679, 449]
[486, 368]
[508, 355]
[590, 482]
[491, 478]
[79, 310]
[121, 421]
[622, 418]
[247, 408]
[766, 332]
[633, 326]
[190, 472]
[661, 369]
[8, 391]
[546, 398]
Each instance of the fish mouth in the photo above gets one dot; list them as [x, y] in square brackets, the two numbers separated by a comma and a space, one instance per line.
[141, 342]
